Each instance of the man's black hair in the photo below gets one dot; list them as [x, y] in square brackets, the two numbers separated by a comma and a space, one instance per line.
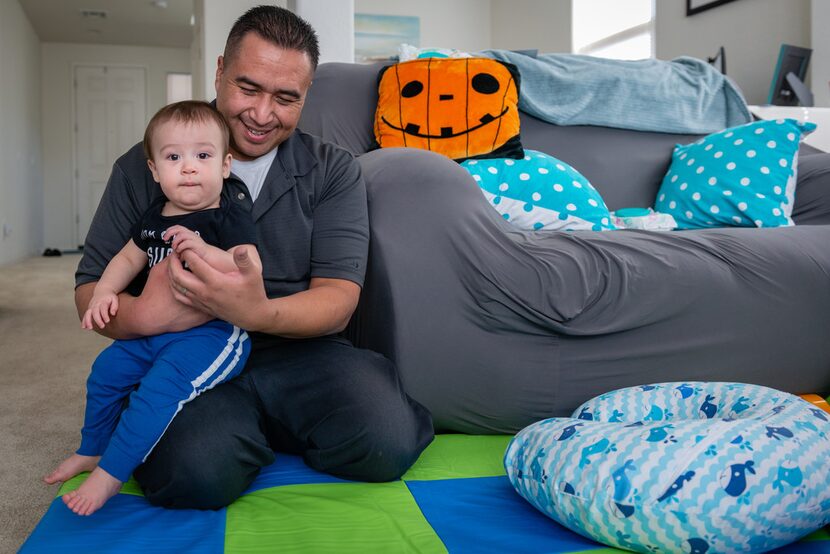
[277, 25]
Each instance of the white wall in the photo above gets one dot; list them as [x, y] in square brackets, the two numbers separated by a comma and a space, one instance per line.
[541, 24]
[215, 19]
[21, 157]
[459, 24]
[58, 164]
[751, 31]
[333, 20]
[820, 60]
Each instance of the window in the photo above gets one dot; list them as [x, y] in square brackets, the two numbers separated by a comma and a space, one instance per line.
[179, 87]
[621, 29]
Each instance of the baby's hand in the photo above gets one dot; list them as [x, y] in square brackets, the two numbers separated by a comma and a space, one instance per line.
[184, 239]
[101, 307]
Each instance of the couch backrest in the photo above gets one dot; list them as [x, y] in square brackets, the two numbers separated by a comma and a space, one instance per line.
[625, 166]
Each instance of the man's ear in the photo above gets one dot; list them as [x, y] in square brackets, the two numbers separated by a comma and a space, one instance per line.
[153, 170]
[220, 68]
[226, 166]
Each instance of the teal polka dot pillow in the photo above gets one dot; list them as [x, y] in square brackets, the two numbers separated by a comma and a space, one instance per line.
[740, 177]
[540, 192]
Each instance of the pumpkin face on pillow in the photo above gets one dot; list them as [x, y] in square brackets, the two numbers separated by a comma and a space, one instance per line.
[460, 107]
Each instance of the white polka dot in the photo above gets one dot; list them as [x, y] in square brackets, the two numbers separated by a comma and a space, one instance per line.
[508, 161]
[674, 178]
[759, 223]
[709, 147]
[750, 153]
[683, 156]
[765, 170]
[736, 219]
[730, 166]
[691, 161]
[492, 170]
[477, 177]
[776, 212]
[527, 158]
[571, 207]
[742, 206]
[776, 189]
[779, 121]
[714, 209]
[524, 176]
[771, 144]
[662, 197]
[577, 184]
[718, 154]
[472, 162]
[713, 181]
[696, 196]
[672, 204]
[593, 202]
[536, 196]
[782, 162]
[791, 136]
[558, 188]
[738, 142]
[759, 130]
[745, 181]
[689, 215]
[503, 187]
[699, 170]
[727, 193]
[729, 134]
[759, 195]
[560, 167]
[544, 170]
[684, 186]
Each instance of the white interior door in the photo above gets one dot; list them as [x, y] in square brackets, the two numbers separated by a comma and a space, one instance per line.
[110, 113]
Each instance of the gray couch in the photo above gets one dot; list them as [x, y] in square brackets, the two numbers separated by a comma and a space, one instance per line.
[493, 328]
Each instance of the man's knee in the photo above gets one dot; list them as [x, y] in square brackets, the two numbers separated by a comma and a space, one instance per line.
[180, 477]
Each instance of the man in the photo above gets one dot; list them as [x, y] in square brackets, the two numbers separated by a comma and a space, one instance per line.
[305, 390]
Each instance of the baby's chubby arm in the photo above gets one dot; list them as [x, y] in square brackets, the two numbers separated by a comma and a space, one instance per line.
[120, 271]
[184, 239]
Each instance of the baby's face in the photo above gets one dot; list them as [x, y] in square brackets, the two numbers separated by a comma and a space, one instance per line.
[189, 165]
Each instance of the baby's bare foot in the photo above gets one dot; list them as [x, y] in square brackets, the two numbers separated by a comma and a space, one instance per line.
[93, 493]
[71, 467]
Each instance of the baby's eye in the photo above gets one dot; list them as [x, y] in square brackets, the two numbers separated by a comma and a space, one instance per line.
[173, 157]
[203, 155]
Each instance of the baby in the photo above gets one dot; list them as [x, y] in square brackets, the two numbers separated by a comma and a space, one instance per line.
[187, 150]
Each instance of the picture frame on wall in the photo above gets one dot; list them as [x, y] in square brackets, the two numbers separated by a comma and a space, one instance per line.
[697, 6]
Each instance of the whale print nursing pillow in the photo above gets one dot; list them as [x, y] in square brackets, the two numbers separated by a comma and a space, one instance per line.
[681, 467]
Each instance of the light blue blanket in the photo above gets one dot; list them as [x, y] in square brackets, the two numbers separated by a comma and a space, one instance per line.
[685, 95]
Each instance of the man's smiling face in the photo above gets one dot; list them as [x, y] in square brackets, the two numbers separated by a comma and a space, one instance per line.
[261, 89]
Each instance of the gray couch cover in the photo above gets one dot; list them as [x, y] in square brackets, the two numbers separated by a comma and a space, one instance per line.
[493, 328]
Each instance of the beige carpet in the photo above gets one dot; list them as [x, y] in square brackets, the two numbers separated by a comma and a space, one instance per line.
[44, 360]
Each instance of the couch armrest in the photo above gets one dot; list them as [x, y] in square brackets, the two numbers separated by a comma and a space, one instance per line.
[812, 193]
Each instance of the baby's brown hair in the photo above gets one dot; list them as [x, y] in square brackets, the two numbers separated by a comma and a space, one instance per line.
[187, 111]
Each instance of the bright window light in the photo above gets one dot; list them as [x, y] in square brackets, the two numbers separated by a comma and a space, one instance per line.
[621, 29]
[179, 87]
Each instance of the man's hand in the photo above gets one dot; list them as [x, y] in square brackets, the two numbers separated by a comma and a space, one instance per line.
[156, 311]
[237, 297]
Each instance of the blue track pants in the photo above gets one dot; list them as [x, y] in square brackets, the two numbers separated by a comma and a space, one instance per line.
[169, 370]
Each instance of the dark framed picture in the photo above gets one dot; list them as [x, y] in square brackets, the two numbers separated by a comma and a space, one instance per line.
[697, 6]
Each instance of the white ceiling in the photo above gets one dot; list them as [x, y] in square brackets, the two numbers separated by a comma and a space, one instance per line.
[130, 22]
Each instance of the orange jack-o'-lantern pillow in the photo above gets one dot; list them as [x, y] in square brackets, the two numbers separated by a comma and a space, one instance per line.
[460, 107]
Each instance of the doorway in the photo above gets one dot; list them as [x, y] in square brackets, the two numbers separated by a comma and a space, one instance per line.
[110, 113]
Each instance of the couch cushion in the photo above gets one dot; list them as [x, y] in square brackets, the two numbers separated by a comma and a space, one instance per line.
[459, 107]
[540, 192]
[742, 176]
